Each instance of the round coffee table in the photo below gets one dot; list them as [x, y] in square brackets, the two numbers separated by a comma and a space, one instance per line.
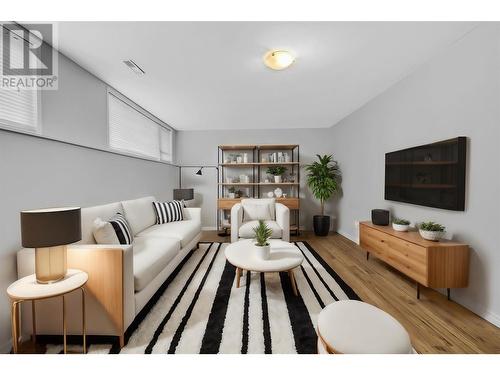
[284, 256]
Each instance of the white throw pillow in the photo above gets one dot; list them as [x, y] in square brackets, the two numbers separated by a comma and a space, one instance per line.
[266, 202]
[104, 233]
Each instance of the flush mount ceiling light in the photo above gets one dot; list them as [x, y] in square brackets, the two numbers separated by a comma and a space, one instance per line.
[278, 59]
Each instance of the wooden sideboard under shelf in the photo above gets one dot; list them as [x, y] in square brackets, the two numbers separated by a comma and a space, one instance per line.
[442, 264]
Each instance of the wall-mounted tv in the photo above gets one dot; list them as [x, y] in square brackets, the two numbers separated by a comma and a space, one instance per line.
[431, 175]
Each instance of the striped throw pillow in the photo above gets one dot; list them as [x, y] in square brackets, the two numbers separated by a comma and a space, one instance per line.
[167, 212]
[122, 229]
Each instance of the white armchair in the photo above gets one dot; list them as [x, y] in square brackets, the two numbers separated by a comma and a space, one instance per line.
[245, 217]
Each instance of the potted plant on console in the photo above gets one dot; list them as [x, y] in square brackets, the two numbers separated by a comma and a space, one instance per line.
[323, 178]
[431, 231]
[262, 235]
[277, 171]
[400, 225]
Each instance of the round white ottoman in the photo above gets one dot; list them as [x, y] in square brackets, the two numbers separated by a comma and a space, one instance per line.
[354, 327]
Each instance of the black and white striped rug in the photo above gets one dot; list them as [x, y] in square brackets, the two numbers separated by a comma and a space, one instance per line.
[200, 309]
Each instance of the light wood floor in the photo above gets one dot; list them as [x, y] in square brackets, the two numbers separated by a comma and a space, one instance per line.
[435, 324]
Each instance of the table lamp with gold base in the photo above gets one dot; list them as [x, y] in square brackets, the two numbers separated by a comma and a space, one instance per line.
[49, 231]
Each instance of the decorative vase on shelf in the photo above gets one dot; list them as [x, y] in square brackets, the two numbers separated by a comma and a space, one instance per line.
[262, 252]
[270, 194]
[232, 195]
[278, 192]
[245, 158]
[277, 179]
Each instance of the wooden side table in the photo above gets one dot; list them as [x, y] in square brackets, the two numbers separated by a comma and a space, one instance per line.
[27, 289]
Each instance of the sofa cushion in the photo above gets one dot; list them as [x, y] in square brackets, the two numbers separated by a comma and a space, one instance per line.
[246, 229]
[140, 213]
[184, 231]
[104, 233]
[258, 209]
[89, 214]
[151, 256]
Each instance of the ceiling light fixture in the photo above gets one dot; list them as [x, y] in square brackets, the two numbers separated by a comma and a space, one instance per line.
[278, 59]
[135, 68]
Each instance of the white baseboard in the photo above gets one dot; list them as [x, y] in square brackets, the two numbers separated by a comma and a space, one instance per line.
[6, 347]
[346, 235]
[208, 228]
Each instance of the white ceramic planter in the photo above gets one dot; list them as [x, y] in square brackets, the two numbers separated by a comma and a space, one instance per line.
[262, 252]
[232, 195]
[431, 235]
[277, 179]
[400, 227]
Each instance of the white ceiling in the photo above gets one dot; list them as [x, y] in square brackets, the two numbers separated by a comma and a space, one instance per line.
[210, 75]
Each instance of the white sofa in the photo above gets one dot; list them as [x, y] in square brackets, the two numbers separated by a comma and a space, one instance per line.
[122, 278]
[277, 218]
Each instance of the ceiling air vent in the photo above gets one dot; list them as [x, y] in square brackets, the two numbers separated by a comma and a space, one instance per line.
[135, 68]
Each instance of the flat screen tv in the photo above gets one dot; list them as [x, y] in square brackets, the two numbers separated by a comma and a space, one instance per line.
[431, 175]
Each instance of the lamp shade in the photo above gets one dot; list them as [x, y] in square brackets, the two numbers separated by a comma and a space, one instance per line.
[183, 194]
[51, 227]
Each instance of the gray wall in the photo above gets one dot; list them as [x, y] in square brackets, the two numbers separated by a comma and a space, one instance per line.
[36, 172]
[455, 94]
[200, 148]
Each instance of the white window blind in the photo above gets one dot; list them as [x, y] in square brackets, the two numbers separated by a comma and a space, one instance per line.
[165, 144]
[19, 109]
[133, 132]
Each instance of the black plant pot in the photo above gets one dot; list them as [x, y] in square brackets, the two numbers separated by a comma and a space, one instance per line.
[321, 225]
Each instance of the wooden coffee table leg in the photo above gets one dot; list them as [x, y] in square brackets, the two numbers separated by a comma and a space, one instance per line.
[292, 281]
[238, 276]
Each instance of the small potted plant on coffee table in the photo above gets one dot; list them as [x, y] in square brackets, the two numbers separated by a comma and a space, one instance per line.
[431, 231]
[277, 171]
[400, 225]
[262, 235]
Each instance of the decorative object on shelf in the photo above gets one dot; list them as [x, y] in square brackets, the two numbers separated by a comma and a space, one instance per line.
[323, 178]
[277, 171]
[183, 194]
[231, 192]
[238, 194]
[266, 181]
[292, 177]
[49, 231]
[229, 179]
[245, 158]
[262, 235]
[270, 194]
[239, 159]
[244, 179]
[431, 231]
[278, 192]
[400, 225]
[380, 217]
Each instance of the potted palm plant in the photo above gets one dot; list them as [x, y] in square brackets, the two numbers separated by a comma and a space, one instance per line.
[262, 235]
[323, 178]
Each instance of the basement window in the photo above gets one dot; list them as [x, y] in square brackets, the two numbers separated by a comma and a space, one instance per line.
[134, 131]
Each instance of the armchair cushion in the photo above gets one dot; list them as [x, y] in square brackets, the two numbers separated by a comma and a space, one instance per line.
[258, 209]
[246, 229]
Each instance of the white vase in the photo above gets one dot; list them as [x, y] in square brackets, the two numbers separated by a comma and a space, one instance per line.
[232, 195]
[270, 194]
[277, 179]
[278, 192]
[400, 227]
[262, 252]
[431, 235]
